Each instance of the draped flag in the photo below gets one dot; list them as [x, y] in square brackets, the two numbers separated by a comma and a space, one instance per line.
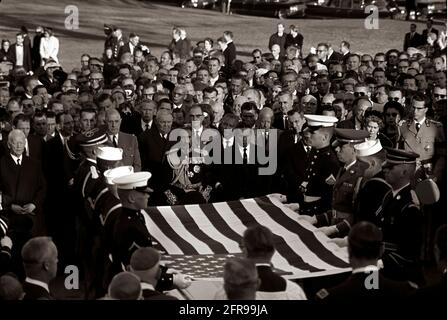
[197, 239]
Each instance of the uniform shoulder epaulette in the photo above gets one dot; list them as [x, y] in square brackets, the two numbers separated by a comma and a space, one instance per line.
[434, 122]
[322, 294]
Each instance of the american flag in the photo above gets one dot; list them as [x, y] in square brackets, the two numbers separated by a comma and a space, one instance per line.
[197, 239]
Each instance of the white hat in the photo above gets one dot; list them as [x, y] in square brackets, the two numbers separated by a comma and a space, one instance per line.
[134, 181]
[110, 153]
[368, 148]
[314, 120]
[117, 172]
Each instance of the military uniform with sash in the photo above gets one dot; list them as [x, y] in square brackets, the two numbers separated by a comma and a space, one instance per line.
[428, 142]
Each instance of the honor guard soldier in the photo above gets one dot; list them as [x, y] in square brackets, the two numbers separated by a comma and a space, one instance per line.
[426, 138]
[373, 187]
[130, 231]
[400, 219]
[322, 166]
[340, 218]
[84, 181]
[131, 227]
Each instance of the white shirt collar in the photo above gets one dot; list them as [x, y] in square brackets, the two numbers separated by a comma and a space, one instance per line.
[395, 192]
[38, 283]
[145, 285]
[17, 158]
[421, 122]
[177, 106]
[143, 124]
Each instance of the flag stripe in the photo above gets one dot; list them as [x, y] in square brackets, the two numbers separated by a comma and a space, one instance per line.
[290, 255]
[158, 218]
[219, 222]
[184, 213]
[291, 237]
[305, 235]
[234, 223]
[173, 219]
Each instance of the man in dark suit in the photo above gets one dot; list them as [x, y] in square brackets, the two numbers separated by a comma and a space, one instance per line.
[366, 283]
[23, 192]
[412, 38]
[21, 54]
[59, 172]
[147, 109]
[40, 261]
[34, 145]
[125, 141]
[36, 47]
[285, 100]
[258, 245]
[293, 156]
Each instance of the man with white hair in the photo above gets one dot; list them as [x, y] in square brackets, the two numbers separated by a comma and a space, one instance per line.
[23, 192]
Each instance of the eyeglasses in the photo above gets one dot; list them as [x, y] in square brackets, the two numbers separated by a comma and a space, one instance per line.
[359, 94]
[442, 96]
[366, 61]
[418, 108]
[393, 99]
[379, 61]
[256, 57]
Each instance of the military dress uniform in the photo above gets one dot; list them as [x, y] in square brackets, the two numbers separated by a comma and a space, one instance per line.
[347, 182]
[319, 180]
[401, 221]
[186, 180]
[428, 142]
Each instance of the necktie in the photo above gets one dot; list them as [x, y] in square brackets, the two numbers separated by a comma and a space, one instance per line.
[418, 126]
[18, 162]
[147, 127]
[115, 144]
[245, 159]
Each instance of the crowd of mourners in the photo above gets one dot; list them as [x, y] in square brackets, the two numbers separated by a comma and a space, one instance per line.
[357, 142]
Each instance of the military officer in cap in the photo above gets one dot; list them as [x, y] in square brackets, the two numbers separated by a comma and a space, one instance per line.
[400, 219]
[340, 218]
[131, 227]
[373, 187]
[426, 138]
[322, 166]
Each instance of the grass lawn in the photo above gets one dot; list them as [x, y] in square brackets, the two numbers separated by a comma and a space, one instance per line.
[153, 22]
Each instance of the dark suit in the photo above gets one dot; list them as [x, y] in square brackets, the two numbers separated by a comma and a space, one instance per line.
[36, 148]
[294, 169]
[59, 170]
[279, 122]
[230, 55]
[36, 51]
[334, 57]
[414, 41]
[22, 185]
[347, 124]
[353, 289]
[435, 292]
[35, 292]
[152, 150]
[27, 61]
[131, 154]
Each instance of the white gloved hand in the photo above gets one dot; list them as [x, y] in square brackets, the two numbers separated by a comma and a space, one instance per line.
[293, 206]
[341, 242]
[310, 219]
[328, 230]
[181, 281]
[6, 242]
